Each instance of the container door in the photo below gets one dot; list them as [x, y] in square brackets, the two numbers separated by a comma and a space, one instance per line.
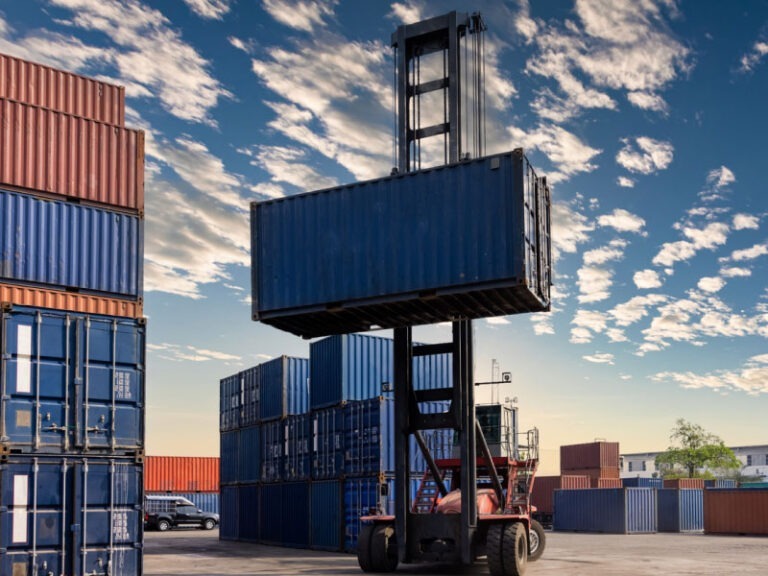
[544, 237]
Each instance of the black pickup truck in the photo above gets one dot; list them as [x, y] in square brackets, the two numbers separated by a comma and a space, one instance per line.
[165, 512]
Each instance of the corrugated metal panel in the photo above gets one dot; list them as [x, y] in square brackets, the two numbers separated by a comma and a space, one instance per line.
[284, 387]
[70, 301]
[544, 488]
[686, 483]
[606, 483]
[181, 474]
[297, 450]
[680, 510]
[206, 501]
[723, 483]
[230, 456]
[371, 253]
[326, 515]
[41, 498]
[249, 500]
[613, 511]
[54, 153]
[230, 399]
[229, 527]
[573, 482]
[249, 454]
[295, 517]
[593, 472]
[738, 511]
[414, 482]
[272, 451]
[251, 396]
[271, 514]
[69, 245]
[62, 91]
[589, 455]
[71, 382]
[327, 443]
[362, 496]
[642, 482]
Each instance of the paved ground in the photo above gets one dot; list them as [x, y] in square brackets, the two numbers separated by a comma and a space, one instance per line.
[199, 553]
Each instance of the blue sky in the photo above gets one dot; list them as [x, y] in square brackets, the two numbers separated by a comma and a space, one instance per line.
[648, 116]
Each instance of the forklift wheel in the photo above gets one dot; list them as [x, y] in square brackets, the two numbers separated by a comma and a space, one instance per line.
[507, 549]
[384, 548]
[364, 548]
[538, 541]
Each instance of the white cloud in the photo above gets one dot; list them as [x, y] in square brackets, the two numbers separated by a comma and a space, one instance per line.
[210, 9]
[622, 221]
[580, 336]
[709, 237]
[599, 358]
[745, 222]
[523, 23]
[647, 279]
[735, 271]
[648, 101]
[612, 252]
[748, 253]
[625, 182]
[720, 177]
[286, 164]
[751, 59]
[497, 321]
[645, 155]
[569, 229]
[240, 44]
[594, 283]
[711, 284]
[542, 324]
[752, 378]
[635, 309]
[616, 335]
[672, 252]
[408, 13]
[177, 353]
[300, 14]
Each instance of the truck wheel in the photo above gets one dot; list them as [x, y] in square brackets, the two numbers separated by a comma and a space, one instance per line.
[163, 525]
[209, 524]
[538, 541]
[364, 548]
[493, 549]
[514, 549]
[384, 548]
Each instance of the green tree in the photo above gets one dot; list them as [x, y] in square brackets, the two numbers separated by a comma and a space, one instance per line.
[694, 448]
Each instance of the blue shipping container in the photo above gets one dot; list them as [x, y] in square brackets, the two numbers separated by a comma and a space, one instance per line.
[362, 496]
[251, 386]
[297, 463]
[346, 259]
[249, 455]
[72, 382]
[721, 483]
[65, 244]
[248, 508]
[75, 515]
[230, 396]
[681, 510]
[607, 510]
[283, 512]
[642, 482]
[229, 526]
[284, 387]
[360, 367]
[229, 459]
[272, 451]
[326, 515]
[327, 443]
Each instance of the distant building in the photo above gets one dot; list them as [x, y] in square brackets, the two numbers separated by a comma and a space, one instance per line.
[754, 462]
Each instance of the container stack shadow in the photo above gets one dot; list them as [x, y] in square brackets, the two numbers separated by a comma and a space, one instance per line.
[307, 445]
[73, 335]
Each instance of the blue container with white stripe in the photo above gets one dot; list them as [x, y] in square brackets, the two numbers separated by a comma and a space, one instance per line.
[63, 244]
[71, 382]
[681, 510]
[284, 388]
[606, 510]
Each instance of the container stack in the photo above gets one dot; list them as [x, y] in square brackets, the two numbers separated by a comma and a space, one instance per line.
[195, 478]
[311, 466]
[73, 336]
[597, 460]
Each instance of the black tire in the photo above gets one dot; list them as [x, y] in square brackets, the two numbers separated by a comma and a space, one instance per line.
[364, 548]
[514, 549]
[209, 524]
[493, 549]
[538, 541]
[163, 525]
[384, 548]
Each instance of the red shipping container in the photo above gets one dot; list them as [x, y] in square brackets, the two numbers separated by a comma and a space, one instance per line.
[589, 456]
[181, 474]
[70, 301]
[734, 511]
[65, 155]
[62, 91]
[606, 483]
[595, 472]
[685, 483]
[544, 488]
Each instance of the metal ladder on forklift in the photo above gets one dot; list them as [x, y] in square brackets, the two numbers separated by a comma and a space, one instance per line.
[428, 494]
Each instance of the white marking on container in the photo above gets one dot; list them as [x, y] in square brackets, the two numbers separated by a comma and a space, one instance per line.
[24, 359]
[20, 502]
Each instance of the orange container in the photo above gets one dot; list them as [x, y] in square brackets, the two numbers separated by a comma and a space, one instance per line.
[595, 472]
[181, 474]
[606, 483]
[65, 155]
[736, 511]
[685, 483]
[71, 301]
[589, 456]
[62, 91]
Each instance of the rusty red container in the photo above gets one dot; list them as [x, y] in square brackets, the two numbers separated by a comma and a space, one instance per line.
[606, 483]
[733, 511]
[52, 153]
[70, 301]
[589, 456]
[544, 488]
[40, 85]
[181, 474]
[595, 472]
[678, 483]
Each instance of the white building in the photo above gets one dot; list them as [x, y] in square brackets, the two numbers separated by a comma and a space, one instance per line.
[754, 462]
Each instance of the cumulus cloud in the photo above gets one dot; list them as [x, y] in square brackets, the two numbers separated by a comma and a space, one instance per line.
[569, 229]
[647, 279]
[246, 46]
[635, 309]
[287, 164]
[709, 237]
[720, 177]
[177, 353]
[209, 9]
[599, 358]
[751, 59]
[497, 321]
[751, 378]
[745, 222]
[594, 283]
[648, 101]
[300, 14]
[645, 155]
[625, 182]
[711, 284]
[747, 253]
[612, 252]
[407, 13]
[622, 221]
[734, 272]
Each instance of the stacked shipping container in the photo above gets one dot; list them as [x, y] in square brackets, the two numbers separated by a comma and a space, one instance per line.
[332, 448]
[73, 336]
[195, 478]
